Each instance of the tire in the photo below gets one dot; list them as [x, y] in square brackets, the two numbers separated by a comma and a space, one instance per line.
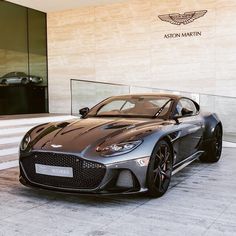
[214, 148]
[4, 82]
[24, 81]
[159, 169]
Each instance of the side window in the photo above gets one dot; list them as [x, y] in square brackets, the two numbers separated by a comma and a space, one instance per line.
[9, 75]
[187, 104]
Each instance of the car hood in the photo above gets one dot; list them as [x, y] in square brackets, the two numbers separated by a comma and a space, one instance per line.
[82, 134]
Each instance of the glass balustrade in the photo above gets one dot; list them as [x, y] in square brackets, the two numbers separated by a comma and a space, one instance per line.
[89, 93]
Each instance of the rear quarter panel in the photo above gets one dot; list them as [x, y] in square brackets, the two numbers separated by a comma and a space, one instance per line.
[211, 120]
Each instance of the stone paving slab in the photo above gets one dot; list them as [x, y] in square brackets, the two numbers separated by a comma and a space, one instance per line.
[201, 201]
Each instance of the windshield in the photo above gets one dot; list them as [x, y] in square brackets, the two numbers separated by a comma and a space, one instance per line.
[142, 106]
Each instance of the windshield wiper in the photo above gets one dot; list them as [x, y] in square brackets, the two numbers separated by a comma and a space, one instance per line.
[162, 108]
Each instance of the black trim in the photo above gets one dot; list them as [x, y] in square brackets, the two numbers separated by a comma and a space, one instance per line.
[71, 103]
[47, 87]
[188, 159]
[27, 40]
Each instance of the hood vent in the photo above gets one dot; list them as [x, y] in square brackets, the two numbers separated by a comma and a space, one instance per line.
[62, 125]
[117, 126]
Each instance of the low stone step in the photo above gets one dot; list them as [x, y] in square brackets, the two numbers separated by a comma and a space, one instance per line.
[39, 120]
[8, 151]
[12, 135]
[10, 140]
[9, 145]
[9, 164]
[11, 157]
[12, 130]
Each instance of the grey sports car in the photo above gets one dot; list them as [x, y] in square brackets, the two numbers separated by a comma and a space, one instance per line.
[125, 144]
[20, 78]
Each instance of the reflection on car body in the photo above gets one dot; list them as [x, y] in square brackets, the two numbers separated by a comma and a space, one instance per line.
[20, 78]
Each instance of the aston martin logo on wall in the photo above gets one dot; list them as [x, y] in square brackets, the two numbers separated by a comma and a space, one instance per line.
[186, 18]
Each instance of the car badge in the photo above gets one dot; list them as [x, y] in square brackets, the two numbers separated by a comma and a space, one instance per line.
[56, 146]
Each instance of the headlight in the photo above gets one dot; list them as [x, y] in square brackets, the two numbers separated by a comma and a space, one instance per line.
[120, 148]
[25, 142]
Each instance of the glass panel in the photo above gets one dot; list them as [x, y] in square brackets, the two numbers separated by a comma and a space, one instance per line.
[224, 107]
[139, 89]
[13, 40]
[88, 94]
[37, 45]
[22, 53]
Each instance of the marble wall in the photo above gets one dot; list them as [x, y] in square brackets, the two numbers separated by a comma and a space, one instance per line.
[127, 43]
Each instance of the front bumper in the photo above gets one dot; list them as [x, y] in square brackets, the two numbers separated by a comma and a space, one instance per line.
[119, 177]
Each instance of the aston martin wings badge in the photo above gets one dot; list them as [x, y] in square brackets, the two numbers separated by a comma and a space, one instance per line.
[186, 18]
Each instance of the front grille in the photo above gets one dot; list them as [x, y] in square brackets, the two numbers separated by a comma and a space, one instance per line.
[86, 174]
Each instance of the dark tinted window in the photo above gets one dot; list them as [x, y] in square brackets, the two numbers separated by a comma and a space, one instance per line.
[9, 74]
[13, 39]
[22, 52]
[37, 44]
[20, 74]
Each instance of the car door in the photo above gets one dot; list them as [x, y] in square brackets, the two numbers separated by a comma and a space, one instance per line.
[190, 126]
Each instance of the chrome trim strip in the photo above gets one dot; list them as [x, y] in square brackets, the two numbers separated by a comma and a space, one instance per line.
[179, 166]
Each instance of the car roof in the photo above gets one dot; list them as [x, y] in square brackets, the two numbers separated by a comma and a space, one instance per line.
[157, 95]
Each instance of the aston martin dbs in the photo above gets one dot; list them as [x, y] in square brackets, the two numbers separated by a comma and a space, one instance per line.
[124, 144]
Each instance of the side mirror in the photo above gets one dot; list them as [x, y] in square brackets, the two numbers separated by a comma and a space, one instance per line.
[185, 112]
[84, 111]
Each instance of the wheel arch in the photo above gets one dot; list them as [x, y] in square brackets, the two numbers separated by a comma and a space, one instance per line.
[168, 140]
[4, 81]
[221, 126]
[211, 122]
[148, 182]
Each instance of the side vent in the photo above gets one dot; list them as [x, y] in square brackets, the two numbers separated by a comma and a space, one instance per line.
[174, 136]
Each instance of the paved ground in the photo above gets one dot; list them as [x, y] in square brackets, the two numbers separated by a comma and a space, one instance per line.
[201, 201]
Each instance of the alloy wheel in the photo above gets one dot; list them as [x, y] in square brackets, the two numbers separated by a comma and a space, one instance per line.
[218, 141]
[162, 167]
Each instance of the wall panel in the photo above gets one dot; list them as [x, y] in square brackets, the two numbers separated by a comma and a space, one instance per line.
[124, 43]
